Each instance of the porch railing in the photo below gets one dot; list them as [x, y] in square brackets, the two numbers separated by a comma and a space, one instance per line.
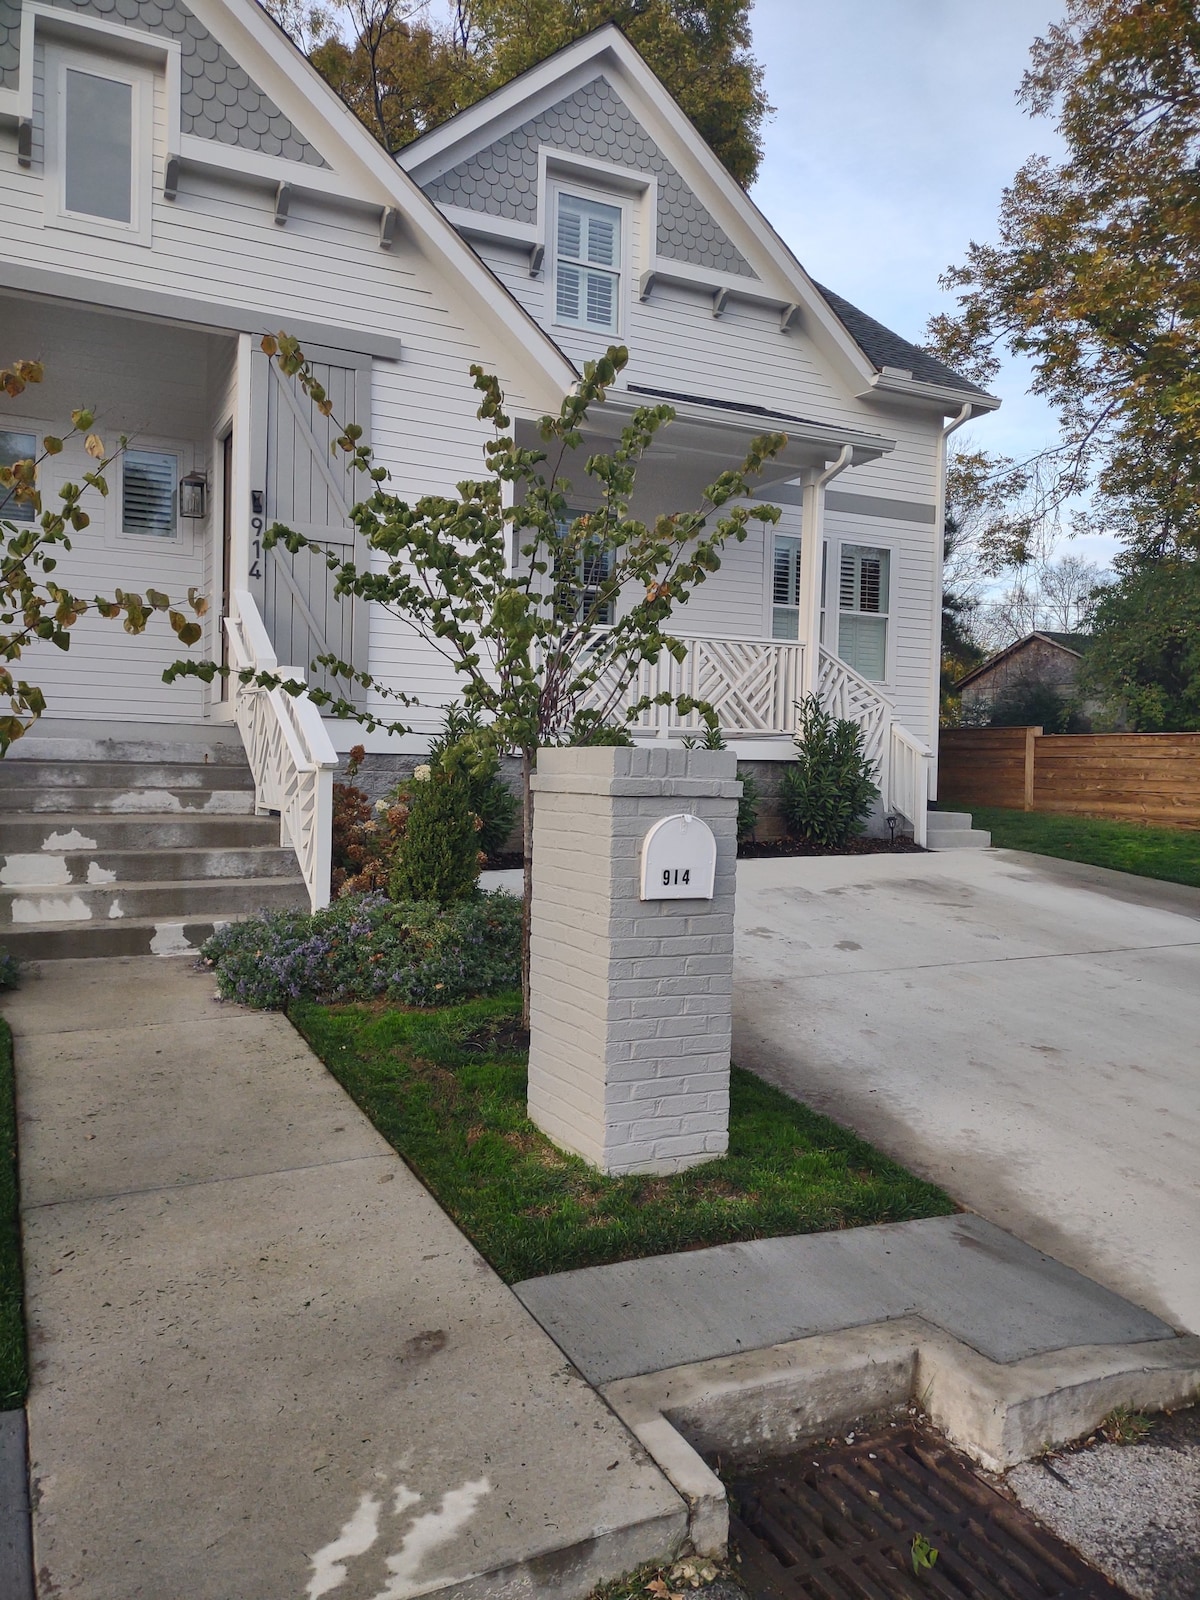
[751, 684]
[908, 768]
[903, 762]
[291, 756]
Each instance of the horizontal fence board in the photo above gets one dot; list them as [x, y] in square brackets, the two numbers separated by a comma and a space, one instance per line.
[1129, 777]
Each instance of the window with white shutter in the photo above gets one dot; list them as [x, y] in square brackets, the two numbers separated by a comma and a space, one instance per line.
[149, 492]
[578, 587]
[785, 588]
[864, 581]
[587, 263]
[15, 447]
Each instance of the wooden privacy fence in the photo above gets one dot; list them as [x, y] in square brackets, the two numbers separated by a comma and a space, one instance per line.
[1131, 777]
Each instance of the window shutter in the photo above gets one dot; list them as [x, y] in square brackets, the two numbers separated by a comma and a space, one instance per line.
[570, 230]
[148, 483]
[600, 305]
[870, 570]
[567, 292]
[847, 586]
[602, 241]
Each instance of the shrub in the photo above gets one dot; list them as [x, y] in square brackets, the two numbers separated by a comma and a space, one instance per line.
[488, 796]
[439, 856]
[747, 805]
[367, 948]
[826, 793]
[10, 971]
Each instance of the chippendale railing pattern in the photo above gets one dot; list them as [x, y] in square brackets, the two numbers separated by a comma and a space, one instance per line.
[290, 753]
[845, 694]
[902, 762]
[751, 684]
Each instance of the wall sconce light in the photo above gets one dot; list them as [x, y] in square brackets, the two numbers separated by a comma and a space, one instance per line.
[193, 495]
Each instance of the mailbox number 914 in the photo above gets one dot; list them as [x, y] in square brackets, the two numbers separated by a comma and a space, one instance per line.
[676, 875]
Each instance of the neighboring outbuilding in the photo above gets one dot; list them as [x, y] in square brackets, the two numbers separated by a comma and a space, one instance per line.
[1041, 661]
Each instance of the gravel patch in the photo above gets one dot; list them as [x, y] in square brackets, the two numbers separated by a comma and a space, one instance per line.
[1132, 1510]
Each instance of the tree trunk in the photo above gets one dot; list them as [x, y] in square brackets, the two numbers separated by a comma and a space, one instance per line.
[527, 908]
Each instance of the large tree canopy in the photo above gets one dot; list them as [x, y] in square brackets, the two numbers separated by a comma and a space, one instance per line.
[1096, 275]
[1145, 654]
[406, 65]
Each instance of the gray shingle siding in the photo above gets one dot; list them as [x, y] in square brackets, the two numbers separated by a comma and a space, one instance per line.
[883, 348]
[219, 100]
[594, 121]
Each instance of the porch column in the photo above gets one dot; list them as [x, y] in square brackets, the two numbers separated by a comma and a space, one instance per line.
[812, 538]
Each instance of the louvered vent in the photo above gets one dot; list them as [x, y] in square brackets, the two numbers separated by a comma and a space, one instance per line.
[149, 480]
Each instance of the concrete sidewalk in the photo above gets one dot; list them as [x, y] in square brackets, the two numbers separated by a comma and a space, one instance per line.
[266, 1366]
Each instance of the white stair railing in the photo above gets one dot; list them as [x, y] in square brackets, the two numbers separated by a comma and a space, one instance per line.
[909, 763]
[902, 761]
[291, 756]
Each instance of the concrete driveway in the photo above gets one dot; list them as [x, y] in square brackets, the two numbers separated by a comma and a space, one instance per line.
[1024, 1031]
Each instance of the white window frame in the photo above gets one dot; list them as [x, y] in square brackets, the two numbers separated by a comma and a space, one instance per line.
[185, 527]
[558, 191]
[888, 616]
[59, 60]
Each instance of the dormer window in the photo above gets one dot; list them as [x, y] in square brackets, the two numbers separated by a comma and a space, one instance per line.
[99, 124]
[587, 267]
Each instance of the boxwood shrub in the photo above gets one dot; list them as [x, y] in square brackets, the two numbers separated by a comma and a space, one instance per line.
[366, 947]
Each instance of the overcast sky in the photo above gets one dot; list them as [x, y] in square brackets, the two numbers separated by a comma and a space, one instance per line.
[896, 127]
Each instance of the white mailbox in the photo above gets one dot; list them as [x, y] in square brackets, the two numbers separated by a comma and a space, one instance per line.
[679, 859]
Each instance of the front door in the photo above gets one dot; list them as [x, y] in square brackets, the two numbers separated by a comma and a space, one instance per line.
[309, 489]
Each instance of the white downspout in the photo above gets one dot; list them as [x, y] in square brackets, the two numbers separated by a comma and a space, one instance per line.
[939, 526]
[812, 530]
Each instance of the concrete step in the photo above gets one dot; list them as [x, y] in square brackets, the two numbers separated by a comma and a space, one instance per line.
[132, 775]
[227, 802]
[59, 868]
[149, 742]
[938, 838]
[949, 819]
[98, 831]
[123, 936]
[204, 899]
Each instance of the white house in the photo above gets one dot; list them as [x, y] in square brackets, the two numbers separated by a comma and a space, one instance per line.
[176, 180]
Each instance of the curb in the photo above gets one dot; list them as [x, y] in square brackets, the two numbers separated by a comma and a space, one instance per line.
[764, 1402]
[16, 1534]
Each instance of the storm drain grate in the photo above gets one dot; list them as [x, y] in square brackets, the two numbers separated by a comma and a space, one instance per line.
[840, 1524]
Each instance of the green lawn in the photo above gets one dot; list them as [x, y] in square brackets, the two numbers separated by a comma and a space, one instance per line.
[447, 1089]
[1170, 853]
[13, 1375]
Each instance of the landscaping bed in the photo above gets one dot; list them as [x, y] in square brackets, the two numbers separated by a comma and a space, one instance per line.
[13, 1374]
[768, 849]
[1172, 854]
[447, 1089]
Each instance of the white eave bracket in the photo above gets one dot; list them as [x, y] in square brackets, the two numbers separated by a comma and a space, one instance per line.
[389, 218]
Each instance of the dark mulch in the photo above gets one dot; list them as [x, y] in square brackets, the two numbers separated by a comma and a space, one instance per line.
[763, 849]
[505, 861]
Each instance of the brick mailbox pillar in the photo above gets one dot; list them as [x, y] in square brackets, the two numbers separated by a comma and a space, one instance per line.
[631, 996]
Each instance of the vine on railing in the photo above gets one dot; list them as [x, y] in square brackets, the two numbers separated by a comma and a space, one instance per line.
[291, 756]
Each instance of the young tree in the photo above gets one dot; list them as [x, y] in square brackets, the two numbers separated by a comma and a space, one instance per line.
[34, 605]
[548, 648]
[1094, 275]
[406, 65]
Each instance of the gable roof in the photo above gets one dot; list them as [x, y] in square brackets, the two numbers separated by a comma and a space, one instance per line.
[289, 127]
[1072, 644]
[883, 348]
[871, 356]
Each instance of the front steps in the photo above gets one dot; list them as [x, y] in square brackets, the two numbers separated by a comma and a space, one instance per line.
[952, 830]
[133, 845]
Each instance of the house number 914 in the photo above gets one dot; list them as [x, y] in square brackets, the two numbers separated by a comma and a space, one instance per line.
[679, 859]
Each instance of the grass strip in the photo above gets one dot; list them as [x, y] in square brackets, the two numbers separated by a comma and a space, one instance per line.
[14, 1376]
[1172, 854]
[447, 1090]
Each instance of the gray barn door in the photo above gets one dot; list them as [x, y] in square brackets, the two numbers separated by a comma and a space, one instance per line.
[308, 488]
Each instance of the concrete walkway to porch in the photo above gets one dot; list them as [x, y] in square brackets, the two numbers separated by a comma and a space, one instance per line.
[265, 1364]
